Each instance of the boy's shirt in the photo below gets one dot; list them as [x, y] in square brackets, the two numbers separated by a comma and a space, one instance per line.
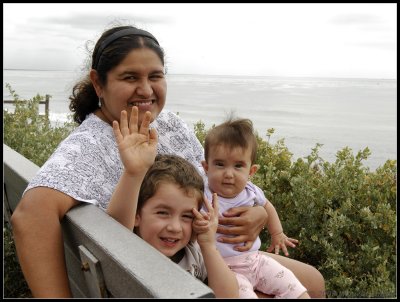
[193, 261]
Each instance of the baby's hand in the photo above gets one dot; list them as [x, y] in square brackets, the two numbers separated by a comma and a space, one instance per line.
[205, 223]
[279, 241]
[137, 145]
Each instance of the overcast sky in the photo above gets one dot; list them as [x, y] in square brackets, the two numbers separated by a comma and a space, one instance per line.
[320, 40]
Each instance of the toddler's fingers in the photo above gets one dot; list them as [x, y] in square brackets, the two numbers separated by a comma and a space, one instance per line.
[197, 214]
[291, 244]
[207, 203]
[215, 203]
[200, 223]
[201, 230]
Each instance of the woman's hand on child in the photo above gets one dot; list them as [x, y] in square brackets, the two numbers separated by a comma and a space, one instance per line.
[280, 241]
[244, 222]
[205, 223]
[137, 145]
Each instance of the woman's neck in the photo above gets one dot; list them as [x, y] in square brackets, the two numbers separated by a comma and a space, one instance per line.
[100, 114]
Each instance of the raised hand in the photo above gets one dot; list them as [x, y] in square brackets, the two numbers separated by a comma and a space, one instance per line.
[205, 223]
[245, 223]
[137, 145]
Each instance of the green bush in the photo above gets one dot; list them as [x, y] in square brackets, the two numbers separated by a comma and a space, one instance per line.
[33, 136]
[29, 133]
[343, 215]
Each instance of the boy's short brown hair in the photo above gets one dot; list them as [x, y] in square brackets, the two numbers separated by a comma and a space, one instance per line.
[171, 169]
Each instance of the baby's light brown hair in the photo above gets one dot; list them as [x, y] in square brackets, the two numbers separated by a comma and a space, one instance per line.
[235, 132]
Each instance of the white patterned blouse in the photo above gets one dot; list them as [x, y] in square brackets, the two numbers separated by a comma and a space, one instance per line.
[87, 166]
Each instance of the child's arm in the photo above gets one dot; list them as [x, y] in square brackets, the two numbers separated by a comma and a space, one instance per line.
[137, 147]
[220, 278]
[278, 239]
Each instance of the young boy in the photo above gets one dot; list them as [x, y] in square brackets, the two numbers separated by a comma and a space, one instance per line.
[230, 154]
[159, 199]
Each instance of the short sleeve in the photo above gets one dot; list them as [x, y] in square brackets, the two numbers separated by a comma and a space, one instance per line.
[85, 166]
[193, 261]
[260, 198]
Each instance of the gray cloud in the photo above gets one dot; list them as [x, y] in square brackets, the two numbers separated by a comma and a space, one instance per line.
[48, 36]
[97, 21]
[355, 19]
[80, 26]
[379, 45]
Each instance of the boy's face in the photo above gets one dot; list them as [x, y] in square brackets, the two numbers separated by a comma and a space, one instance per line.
[165, 220]
[228, 170]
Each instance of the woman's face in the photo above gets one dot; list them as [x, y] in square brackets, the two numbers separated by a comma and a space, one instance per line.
[138, 80]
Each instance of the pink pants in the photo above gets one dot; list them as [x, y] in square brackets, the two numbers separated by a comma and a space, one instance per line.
[255, 270]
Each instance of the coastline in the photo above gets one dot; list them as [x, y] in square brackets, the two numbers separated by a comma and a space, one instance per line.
[303, 111]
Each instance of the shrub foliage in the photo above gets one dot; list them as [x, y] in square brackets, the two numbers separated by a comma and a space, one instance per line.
[29, 133]
[343, 214]
[33, 136]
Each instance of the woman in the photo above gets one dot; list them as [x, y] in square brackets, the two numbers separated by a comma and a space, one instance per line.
[127, 70]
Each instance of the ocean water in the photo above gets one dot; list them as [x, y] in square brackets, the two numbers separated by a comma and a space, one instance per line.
[335, 112]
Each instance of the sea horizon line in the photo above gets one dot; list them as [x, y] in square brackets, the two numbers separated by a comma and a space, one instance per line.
[233, 75]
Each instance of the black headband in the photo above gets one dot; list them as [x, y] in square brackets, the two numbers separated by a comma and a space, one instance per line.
[119, 34]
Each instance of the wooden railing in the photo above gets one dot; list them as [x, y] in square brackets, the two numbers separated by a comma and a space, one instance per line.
[46, 103]
[103, 258]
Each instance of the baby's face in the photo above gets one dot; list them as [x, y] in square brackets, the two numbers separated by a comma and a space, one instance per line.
[228, 170]
[165, 220]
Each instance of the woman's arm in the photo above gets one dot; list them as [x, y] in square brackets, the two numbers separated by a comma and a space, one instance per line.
[39, 243]
[245, 222]
[220, 278]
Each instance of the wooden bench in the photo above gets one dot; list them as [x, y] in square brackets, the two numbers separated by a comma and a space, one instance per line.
[103, 258]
